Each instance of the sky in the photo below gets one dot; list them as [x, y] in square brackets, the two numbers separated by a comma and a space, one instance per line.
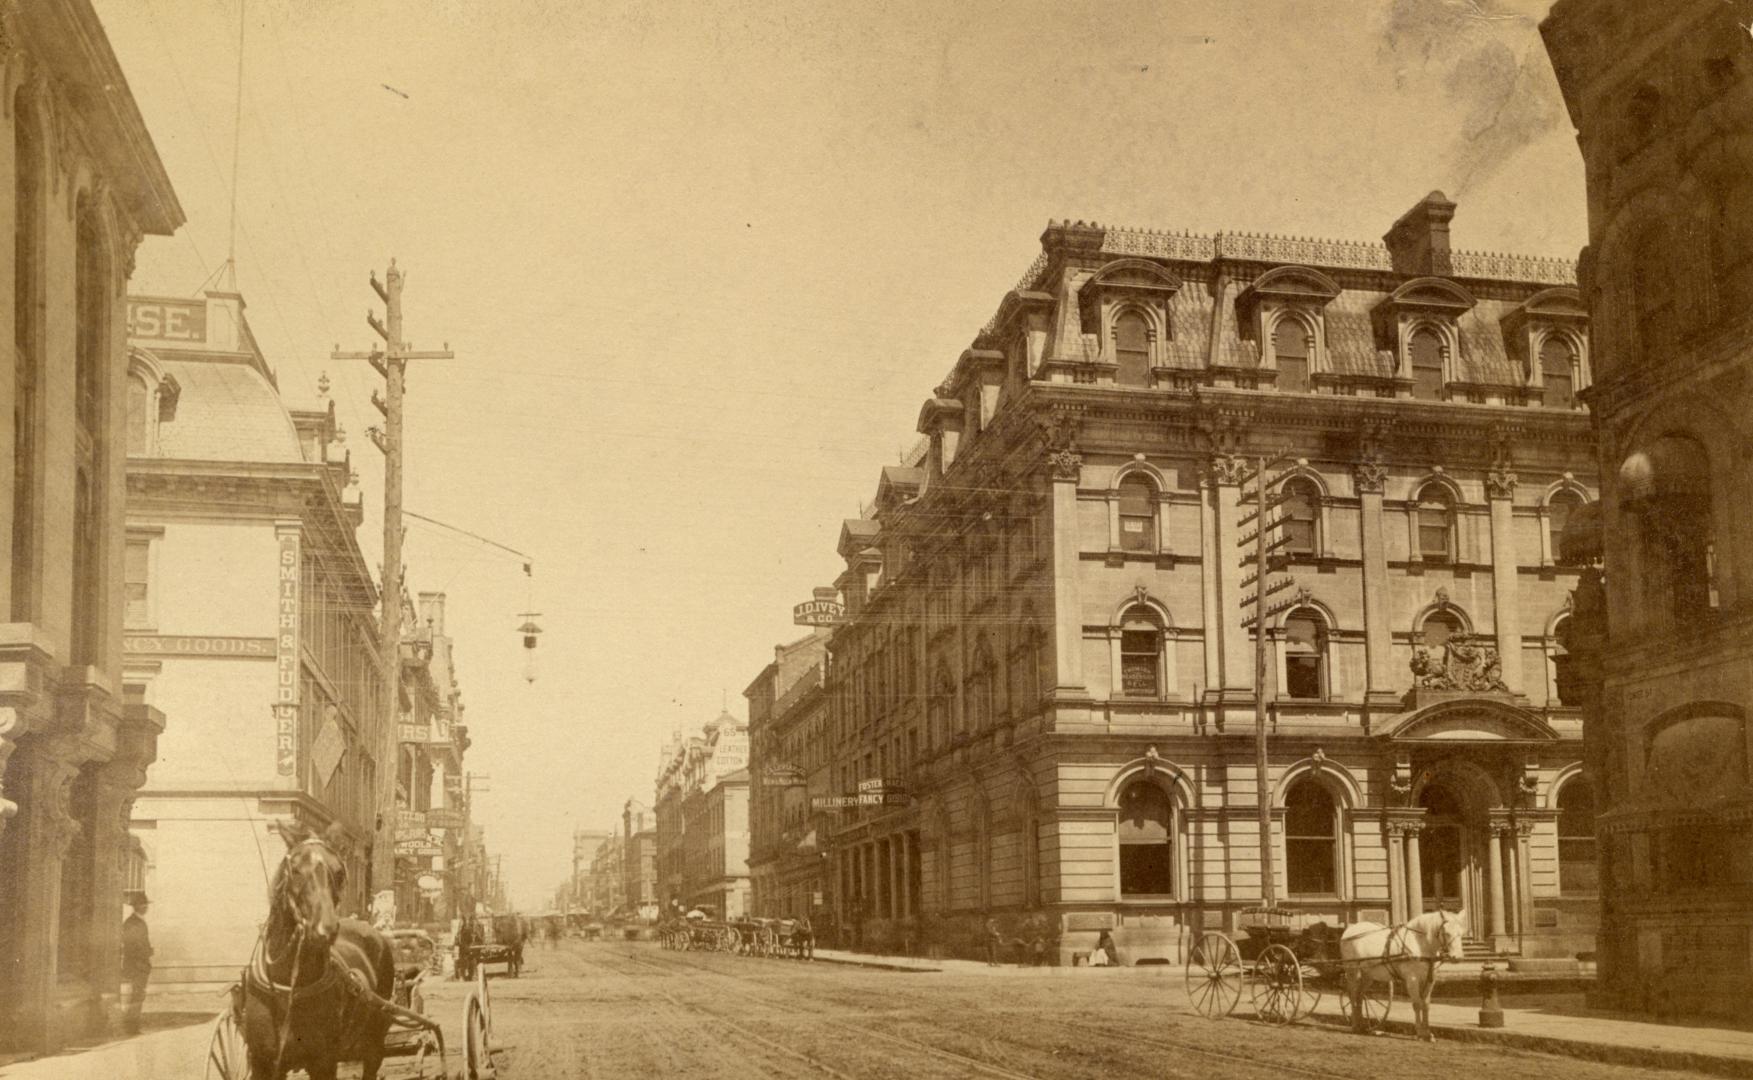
[700, 264]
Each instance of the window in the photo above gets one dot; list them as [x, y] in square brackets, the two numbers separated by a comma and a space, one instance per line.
[1558, 372]
[1301, 517]
[1439, 627]
[1652, 288]
[1425, 351]
[1132, 349]
[1435, 524]
[1137, 514]
[1305, 647]
[1141, 647]
[1290, 348]
[1558, 510]
[1576, 838]
[135, 566]
[1147, 850]
[1311, 844]
[1564, 680]
[1667, 485]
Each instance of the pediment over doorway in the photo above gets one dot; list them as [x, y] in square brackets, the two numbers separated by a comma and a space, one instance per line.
[1468, 719]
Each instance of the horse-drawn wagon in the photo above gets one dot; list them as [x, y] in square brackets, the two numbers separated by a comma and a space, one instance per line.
[497, 940]
[320, 990]
[1287, 960]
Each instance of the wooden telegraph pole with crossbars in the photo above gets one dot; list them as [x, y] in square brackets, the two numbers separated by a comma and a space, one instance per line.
[391, 362]
[1266, 539]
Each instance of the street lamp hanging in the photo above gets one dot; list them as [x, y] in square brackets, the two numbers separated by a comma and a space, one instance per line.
[529, 630]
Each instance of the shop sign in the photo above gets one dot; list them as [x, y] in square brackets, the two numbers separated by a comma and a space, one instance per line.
[444, 818]
[286, 659]
[167, 319]
[869, 798]
[205, 645]
[880, 784]
[414, 733]
[410, 819]
[818, 613]
[418, 848]
[782, 776]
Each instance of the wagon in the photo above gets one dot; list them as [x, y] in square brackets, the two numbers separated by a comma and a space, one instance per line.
[505, 948]
[413, 1049]
[1284, 966]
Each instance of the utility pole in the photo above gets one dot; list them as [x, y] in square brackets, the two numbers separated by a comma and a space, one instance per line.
[391, 362]
[1265, 561]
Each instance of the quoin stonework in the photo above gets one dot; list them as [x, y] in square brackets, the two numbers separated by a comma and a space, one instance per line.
[1661, 96]
[1040, 697]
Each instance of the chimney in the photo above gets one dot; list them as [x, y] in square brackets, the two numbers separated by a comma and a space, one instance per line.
[1419, 242]
[432, 611]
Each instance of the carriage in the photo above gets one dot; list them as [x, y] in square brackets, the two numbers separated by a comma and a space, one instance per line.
[502, 943]
[1287, 961]
[698, 935]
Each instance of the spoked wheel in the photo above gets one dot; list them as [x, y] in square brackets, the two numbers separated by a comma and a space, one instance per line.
[477, 1054]
[1278, 985]
[1214, 975]
[227, 1057]
[427, 1056]
[1377, 998]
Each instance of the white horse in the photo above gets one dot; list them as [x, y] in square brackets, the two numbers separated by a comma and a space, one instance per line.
[1409, 952]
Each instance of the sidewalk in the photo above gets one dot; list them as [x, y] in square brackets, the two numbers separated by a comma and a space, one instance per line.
[1551, 1024]
[177, 1026]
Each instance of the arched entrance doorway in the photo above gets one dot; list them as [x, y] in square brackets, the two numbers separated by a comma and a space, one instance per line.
[1444, 842]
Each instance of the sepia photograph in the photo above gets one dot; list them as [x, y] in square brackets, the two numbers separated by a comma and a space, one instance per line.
[796, 539]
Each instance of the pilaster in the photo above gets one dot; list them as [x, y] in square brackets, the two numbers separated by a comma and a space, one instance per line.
[1065, 466]
[1368, 476]
[1500, 487]
[1224, 490]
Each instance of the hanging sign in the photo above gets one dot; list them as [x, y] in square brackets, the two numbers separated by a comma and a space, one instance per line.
[824, 610]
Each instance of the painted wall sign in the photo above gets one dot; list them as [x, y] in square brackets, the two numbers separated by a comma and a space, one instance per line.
[818, 613]
[842, 802]
[411, 733]
[286, 658]
[164, 319]
[786, 775]
[245, 648]
[444, 818]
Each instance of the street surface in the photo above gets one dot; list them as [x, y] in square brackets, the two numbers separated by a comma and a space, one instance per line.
[629, 1009]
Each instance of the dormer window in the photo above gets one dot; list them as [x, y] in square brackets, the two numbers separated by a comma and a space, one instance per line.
[1283, 310]
[1558, 372]
[1425, 354]
[1547, 335]
[1290, 347]
[1126, 303]
[1132, 349]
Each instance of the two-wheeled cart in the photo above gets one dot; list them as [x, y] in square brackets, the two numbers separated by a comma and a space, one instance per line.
[1284, 966]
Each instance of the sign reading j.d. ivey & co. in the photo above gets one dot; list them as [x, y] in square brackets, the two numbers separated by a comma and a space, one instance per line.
[286, 658]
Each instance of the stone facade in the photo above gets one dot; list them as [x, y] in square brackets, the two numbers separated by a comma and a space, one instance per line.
[249, 617]
[1043, 692]
[639, 859]
[788, 764]
[74, 743]
[702, 808]
[1662, 96]
[432, 808]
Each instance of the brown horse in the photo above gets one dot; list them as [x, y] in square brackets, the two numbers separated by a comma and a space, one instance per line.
[302, 1007]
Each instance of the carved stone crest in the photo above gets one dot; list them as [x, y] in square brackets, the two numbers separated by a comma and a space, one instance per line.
[1226, 469]
[1065, 464]
[1467, 664]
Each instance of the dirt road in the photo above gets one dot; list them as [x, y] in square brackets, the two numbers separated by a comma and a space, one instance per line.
[628, 1009]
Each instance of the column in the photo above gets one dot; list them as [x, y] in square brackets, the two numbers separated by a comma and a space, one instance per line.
[1494, 885]
[906, 863]
[1065, 465]
[1524, 894]
[1225, 492]
[1396, 873]
[1414, 872]
[894, 848]
[1378, 644]
[48, 833]
[113, 806]
[1500, 487]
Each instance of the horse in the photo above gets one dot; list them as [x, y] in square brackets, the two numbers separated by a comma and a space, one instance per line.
[1409, 952]
[302, 1006]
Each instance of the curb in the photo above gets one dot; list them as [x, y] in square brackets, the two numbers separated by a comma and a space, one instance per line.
[1605, 1053]
[878, 965]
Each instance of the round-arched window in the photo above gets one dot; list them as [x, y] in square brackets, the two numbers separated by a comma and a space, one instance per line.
[1147, 848]
[1311, 839]
[1132, 349]
[1290, 349]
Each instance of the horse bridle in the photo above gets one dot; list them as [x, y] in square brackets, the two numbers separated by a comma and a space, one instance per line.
[297, 954]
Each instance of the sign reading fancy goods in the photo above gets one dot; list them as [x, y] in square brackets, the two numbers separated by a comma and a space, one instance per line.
[247, 648]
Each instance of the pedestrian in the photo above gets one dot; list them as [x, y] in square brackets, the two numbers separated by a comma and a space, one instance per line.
[136, 960]
[994, 942]
[1105, 954]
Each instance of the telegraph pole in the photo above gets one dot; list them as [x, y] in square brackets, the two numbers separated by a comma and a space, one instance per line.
[1264, 562]
[391, 362]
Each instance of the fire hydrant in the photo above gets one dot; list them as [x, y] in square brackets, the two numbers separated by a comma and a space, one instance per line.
[1490, 1011]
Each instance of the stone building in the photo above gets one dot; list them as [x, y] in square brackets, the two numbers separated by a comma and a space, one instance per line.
[608, 867]
[432, 811]
[585, 844]
[1662, 96]
[249, 617]
[702, 808]
[788, 764]
[639, 859]
[1042, 695]
[74, 741]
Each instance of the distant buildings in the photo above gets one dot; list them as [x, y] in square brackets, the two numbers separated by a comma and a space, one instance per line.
[585, 843]
[432, 794]
[789, 763]
[250, 617]
[1662, 96]
[75, 735]
[639, 859]
[702, 836]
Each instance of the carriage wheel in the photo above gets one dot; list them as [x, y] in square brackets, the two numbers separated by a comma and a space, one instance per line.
[426, 1052]
[1214, 976]
[485, 999]
[1278, 985]
[477, 1056]
[227, 1057]
[1377, 998]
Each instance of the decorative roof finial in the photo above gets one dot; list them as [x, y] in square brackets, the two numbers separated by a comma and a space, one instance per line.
[323, 385]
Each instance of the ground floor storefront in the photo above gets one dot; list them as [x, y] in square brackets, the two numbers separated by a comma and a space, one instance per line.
[1473, 805]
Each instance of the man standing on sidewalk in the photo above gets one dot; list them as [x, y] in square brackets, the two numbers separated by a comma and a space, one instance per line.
[136, 960]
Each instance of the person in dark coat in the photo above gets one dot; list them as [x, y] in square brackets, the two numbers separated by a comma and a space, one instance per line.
[994, 942]
[136, 960]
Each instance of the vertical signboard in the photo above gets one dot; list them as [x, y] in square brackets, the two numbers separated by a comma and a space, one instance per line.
[286, 658]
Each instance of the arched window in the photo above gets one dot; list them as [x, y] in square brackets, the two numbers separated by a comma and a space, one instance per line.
[1436, 533]
[1558, 372]
[1301, 514]
[1290, 348]
[1311, 840]
[1439, 627]
[1141, 653]
[1137, 514]
[1305, 655]
[1147, 848]
[1558, 510]
[980, 695]
[943, 694]
[1576, 838]
[1132, 349]
[1667, 485]
[1425, 351]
